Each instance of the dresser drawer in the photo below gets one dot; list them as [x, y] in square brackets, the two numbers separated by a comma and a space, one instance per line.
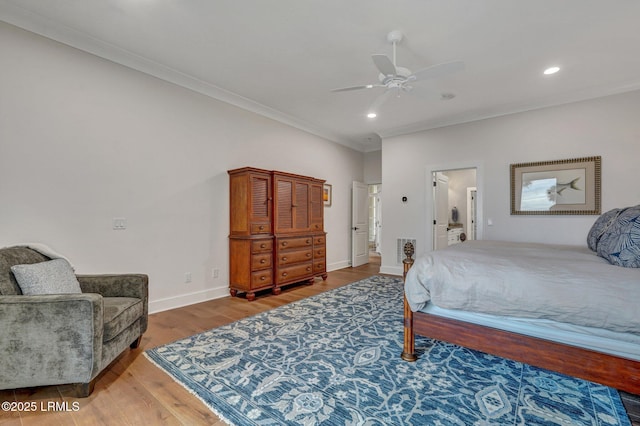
[261, 278]
[319, 240]
[318, 267]
[260, 228]
[294, 256]
[319, 252]
[261, 261]
[261, 246]
[290, 243]
[294, 273]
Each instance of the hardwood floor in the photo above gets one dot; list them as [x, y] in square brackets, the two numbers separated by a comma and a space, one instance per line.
[132, 391]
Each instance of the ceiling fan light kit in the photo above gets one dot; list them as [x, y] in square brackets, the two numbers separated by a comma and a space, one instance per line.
[395, 79]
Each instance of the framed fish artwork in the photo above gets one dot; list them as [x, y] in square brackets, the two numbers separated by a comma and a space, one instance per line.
[558, 187]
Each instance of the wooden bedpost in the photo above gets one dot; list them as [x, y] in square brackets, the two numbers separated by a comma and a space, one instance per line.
[408, 352]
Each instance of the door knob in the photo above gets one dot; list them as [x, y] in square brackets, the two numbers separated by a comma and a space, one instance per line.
[355, 228]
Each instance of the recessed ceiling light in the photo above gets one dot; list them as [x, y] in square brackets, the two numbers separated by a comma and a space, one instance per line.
[551, 70]
[372, 115]
[447, 96]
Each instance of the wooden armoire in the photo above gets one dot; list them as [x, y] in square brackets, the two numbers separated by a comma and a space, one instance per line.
[276, 230]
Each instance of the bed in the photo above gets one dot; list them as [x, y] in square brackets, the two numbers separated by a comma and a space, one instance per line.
[562, 308]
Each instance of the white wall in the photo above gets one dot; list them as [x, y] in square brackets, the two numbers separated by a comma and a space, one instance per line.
[373, 167]
[608, 127]
[83, 140]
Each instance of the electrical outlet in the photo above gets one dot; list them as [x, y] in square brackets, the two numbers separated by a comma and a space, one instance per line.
[187, 277]
[216, 273]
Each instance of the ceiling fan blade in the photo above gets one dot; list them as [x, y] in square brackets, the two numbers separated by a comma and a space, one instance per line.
[437, 70]
[346, 89]
[384, 64]
[375, 106]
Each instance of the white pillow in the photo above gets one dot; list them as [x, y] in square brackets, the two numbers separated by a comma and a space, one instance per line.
[52, 277]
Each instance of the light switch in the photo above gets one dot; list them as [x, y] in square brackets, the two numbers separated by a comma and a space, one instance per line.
[119, 223]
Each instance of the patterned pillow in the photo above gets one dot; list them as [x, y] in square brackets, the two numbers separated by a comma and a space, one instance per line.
[620, 244]
[600, 227]
[51, 277]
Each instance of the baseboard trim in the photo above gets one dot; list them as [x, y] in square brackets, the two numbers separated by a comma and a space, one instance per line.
[391, 270]
[187, 299]
[338, 265]
[182, 300]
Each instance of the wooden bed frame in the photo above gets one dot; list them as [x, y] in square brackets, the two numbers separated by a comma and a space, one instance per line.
[609, 370]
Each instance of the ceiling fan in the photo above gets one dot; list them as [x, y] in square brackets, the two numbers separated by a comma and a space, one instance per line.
[397, 79]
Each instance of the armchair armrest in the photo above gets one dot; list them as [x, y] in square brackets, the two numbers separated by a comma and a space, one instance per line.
[50, 339]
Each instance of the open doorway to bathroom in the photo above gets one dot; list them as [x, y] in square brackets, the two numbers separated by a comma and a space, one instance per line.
[455, 207]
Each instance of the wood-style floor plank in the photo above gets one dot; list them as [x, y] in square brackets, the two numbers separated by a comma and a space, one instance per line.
[133, 391]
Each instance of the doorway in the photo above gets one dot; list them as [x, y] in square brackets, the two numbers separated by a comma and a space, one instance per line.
[366, 223]
[455, 207]
[375, 218]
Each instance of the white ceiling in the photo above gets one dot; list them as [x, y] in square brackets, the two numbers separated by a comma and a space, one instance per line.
[281, 58]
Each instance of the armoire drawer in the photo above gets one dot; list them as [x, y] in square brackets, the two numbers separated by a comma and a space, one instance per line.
[319, 252]
[261, 246]
[261, 278]
[261, 261]
[295, 242]
[260, 228]
[294, 256]
[296, 272]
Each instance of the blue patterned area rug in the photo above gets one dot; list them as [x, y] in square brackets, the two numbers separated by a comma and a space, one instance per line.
[334, 359]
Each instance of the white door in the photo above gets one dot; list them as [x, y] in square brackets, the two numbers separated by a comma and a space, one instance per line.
[441, 210]
[359, 224]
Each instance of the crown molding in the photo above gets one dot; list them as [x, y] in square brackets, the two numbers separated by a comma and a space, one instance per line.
[35, 23]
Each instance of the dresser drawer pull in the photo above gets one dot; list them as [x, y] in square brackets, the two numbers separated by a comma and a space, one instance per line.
[284, 244]
[263, 261]
[308, 254]
[261, 227]
[284, 274]
[263, 245]
[284, 259]
[262, 278]
[308, 241]
[308, 268]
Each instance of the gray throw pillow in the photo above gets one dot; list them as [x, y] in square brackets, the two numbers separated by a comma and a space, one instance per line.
[51, 277]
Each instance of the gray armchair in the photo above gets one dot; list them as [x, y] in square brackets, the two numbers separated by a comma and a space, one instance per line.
[66, 338]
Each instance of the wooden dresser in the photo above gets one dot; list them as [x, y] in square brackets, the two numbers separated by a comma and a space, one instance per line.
[276, 230]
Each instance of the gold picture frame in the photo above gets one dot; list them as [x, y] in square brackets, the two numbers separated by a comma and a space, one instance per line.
[326, 195]
[559, 187]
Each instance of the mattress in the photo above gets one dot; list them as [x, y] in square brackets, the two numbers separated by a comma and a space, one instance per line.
[538, 281]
